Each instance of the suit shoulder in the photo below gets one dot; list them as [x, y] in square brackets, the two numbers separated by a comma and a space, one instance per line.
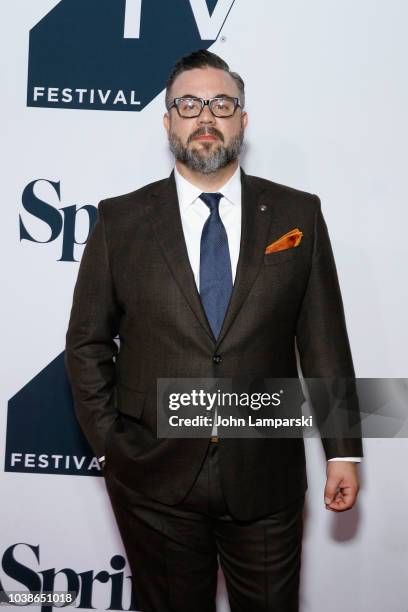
[131, 199]
[289, 194]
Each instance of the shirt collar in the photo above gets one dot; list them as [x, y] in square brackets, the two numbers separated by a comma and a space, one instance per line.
[188, 193]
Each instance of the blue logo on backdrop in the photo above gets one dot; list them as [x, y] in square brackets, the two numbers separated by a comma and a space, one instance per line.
[43, 434]
[57, 221]
[20, 563]
[106, 55]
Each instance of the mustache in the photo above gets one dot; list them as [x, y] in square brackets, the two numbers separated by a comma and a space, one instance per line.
[209, 131]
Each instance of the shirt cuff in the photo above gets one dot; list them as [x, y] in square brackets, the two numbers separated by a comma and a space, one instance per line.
[355, 459]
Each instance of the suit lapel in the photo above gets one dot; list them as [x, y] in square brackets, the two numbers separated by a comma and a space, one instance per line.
[167, 226]
[255, 223]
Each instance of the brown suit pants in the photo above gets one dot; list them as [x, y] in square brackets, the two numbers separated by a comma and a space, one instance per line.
[173, 550]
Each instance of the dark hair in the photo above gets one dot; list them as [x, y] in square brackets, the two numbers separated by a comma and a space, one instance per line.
[202, 59]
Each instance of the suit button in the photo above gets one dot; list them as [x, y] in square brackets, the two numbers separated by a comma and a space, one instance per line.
[217, 359]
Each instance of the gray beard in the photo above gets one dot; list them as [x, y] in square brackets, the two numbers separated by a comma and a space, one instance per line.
[206, 163]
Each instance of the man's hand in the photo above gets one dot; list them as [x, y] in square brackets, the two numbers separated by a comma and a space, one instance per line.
[342, 485]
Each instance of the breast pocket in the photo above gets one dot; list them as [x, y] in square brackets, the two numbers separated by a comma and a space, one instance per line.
[281, 256]
[130, 401]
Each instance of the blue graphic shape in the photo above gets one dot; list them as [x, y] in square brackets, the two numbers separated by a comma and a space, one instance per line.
[41, 422]
[80, 45]
[211, 4]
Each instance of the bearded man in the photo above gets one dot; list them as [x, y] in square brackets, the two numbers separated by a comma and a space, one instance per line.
[209, 273]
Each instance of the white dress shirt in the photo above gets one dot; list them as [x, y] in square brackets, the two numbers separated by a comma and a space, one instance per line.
[194, 213]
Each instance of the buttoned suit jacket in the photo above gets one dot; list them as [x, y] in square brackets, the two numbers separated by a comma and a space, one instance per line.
[135, 281]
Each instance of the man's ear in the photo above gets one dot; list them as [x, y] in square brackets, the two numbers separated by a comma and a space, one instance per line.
[244, 119]
[166, 122]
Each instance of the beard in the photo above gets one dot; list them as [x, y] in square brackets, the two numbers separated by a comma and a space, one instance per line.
[210, 158]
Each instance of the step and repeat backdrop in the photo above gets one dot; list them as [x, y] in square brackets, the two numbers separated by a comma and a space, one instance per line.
[82, 100]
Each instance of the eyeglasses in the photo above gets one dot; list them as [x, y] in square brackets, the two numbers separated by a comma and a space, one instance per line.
[189, 108]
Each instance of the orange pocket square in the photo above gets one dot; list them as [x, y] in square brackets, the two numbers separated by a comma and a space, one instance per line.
[287, 241]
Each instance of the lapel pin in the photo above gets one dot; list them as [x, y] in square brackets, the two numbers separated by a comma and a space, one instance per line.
[263, 207]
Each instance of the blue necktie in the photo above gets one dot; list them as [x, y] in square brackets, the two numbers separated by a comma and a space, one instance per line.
[215, 265]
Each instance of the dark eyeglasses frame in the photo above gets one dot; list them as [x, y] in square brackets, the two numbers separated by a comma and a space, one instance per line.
[204, 103]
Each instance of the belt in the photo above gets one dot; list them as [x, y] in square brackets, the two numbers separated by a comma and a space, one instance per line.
[214, 439]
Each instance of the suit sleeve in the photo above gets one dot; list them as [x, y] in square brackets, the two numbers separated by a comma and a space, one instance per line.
[90, 347]
[323, 344]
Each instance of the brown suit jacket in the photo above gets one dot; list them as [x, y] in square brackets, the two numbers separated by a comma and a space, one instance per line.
[135, 281]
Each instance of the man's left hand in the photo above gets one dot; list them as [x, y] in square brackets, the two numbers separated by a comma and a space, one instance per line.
[342, 485]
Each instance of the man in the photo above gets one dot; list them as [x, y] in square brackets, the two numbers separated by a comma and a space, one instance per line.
[181, 270]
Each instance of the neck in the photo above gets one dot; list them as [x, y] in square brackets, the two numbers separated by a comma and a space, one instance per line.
[207, 182]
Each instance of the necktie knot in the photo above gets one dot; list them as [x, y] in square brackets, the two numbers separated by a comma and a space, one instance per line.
[212, 200]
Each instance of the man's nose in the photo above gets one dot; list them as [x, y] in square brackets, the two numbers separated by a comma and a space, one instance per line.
[206, 116]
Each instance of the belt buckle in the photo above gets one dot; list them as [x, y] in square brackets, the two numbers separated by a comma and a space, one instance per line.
[214, 439]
